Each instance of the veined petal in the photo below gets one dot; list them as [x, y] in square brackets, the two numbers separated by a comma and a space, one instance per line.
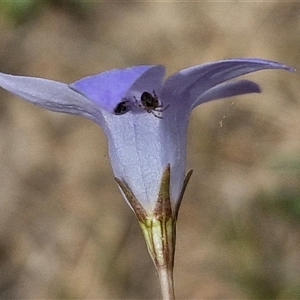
[139, 142]
[109, 88]
[229, 89]
[136, 150]
[188, 84]
[52, 95]
[135, 140]
[140, 148]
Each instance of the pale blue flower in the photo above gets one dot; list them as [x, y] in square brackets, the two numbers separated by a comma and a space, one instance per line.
[140, 144]
[145, 120]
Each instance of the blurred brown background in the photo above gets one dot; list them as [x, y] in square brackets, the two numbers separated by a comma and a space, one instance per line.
[66, 232]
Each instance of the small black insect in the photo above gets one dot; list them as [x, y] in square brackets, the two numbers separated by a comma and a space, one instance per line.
[150, 104]
[122, 108]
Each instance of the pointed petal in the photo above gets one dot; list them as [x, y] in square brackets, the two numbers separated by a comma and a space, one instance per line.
[228, 90]
[190, 83]
[109, 88]
[52, 95]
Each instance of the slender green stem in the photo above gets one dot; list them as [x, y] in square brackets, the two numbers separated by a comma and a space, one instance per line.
[159, 229]
[160, 239]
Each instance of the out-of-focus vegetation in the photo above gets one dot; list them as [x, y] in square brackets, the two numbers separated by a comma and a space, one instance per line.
[20, 12]
[284, 199]
[66, 232]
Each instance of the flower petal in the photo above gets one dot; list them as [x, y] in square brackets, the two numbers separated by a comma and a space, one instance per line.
[109, 88]
[228, 90]
[188, 84]
[136, 151]
[141, 146]
[52, 95]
